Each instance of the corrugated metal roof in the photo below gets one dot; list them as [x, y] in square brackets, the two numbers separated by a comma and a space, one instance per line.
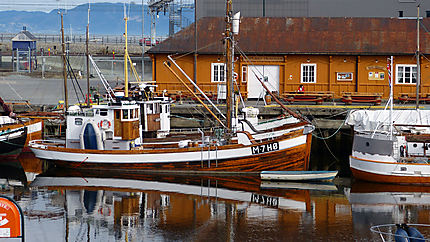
[365, 36]
[24, 35]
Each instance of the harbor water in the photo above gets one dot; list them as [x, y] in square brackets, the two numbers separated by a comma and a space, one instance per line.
[70, 205]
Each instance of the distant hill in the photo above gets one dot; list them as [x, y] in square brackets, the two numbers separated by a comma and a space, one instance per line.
[105, 18]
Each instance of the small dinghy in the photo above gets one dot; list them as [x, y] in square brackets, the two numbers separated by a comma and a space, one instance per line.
[298, 175]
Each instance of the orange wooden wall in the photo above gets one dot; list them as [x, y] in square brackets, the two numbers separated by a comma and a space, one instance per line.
[327, 67]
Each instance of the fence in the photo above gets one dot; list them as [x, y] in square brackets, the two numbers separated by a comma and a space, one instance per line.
[101, 39]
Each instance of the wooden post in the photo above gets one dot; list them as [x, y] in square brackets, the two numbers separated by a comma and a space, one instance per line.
[125, 59]
[357, 67]
[229, 62]
[63, 45]
[330, 69]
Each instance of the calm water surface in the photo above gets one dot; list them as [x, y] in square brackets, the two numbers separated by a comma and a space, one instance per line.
[75, 206]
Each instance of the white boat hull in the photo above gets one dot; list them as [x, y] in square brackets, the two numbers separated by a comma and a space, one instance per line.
[389, 171]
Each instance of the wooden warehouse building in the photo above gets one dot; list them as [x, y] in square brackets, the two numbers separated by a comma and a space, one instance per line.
[334, 55]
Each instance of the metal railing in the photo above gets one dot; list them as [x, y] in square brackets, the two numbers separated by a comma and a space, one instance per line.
[100, 39]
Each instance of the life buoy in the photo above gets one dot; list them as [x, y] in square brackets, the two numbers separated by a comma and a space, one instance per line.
[104, 124]
[102, 211]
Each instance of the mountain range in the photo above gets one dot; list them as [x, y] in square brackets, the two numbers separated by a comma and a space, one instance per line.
[105, 19]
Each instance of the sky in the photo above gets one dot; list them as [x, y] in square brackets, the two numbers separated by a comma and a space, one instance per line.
[48, 5]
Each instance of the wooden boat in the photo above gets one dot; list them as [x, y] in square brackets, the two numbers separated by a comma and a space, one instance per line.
[12, 141]
[136, 135]
[298, 175]
[15, 134]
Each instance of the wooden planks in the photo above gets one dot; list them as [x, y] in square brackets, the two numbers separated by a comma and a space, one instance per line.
[357, 97]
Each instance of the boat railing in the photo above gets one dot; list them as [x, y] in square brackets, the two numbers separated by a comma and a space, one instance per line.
[189, 130]
[387, 232]
[86, 113]
[45, 143]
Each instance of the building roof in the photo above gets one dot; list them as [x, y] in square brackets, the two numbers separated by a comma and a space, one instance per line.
[24, 35]
[319, 35]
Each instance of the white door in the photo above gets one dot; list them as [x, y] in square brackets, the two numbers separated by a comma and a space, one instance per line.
[268, 74]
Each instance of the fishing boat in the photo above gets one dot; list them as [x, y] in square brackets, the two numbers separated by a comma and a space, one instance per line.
[134, 134]
[391, 146]
[15, 133]
[396, 153]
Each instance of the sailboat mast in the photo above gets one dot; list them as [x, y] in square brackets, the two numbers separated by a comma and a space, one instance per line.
[88, 56]
[125, 57]
[418, 58]
[63, 45]
[229, 63]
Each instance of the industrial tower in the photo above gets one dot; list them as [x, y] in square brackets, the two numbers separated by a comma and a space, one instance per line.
[175, 9]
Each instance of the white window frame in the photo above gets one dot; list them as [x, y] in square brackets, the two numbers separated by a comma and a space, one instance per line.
[216, 67]
[404, 81]
[302, 77]
[244, 74]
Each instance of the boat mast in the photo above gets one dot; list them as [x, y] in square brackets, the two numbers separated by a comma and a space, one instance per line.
[390, 77]
[418, 58]
[63, 45]
[229, 48]
[88, 56]
[125, 56]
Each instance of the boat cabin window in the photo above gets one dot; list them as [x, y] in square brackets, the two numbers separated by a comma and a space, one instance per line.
[130, 114]
[150, 109]
[164, 108]
[136, 113]
[103, 112]
[78, 121]
[125, 114]
[157, 107]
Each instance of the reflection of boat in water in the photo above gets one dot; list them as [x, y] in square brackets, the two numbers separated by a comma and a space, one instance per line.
[243, 189]
[320, 186]
[116, 200]
[11, 174]
[366, 193]
[375, 203]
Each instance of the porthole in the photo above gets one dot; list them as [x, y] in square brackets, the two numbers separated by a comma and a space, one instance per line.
[415, 145]
[367, 144]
